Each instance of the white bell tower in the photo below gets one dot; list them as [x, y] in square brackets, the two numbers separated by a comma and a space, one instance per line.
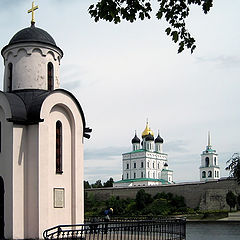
[209, 169]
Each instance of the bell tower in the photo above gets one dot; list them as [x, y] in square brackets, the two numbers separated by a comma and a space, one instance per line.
[209, 169]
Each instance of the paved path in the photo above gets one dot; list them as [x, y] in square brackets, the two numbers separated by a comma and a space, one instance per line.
[232, 216]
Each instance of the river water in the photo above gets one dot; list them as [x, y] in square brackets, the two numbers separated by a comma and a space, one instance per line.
[220, 230]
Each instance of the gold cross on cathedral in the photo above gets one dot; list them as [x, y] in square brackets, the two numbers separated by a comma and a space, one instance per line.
[32, 11]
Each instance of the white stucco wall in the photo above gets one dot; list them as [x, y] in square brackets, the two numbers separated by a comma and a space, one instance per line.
[30, 65]
[6, 163]
[59, 106]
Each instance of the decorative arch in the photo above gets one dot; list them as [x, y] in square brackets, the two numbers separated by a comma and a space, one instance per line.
[38, 50]
[207, 162]
[203, 174]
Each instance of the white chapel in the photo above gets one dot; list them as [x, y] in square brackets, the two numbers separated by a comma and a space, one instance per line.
[209, 169]
[146, 164]
[41, 139]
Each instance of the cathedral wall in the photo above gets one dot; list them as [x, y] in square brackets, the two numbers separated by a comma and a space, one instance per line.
[206, 195]
[6, 156]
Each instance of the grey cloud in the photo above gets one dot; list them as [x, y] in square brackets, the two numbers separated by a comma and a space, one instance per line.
[104, 153]
[222, 60]
[175, 146]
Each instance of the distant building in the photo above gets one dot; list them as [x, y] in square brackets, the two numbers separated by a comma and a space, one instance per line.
[146, 164]
[209, 169]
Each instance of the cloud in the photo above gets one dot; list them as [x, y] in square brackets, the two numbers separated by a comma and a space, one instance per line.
[104, 153]
[175, 146]
[226, 61]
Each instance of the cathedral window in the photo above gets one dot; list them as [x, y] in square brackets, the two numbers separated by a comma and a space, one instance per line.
[217, 173]
[50, 76]
[148, 164]
[215, 161]
[148, 174]
[127, 175]
[209, 173]
[203, 174]
[10, 70]
[154, 175]
[141, 174]
[207, 162]
[127, 166]
[141, 164]
[134, 175]
[153, 165]
[158, 165]
[59, 147]
[134, 165]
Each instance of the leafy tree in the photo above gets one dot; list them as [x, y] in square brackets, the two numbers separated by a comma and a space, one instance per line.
[108, 183]
[234, 167]
[86, 184]
[231, 199]
[238, 201]
[143, 199]
[174, 12]
[97, 184]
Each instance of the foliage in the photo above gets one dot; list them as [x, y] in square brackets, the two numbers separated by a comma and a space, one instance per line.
[143, 199]
[97, 184]
[108, 183]
[175, 13]
[143, 204]
[234, 167]
[231, 199]
[238, 200]
[86, 184]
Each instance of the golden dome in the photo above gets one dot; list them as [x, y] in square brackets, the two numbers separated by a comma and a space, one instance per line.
[147, 131]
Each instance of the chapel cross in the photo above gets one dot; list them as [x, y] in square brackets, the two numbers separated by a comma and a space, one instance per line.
[32, 11]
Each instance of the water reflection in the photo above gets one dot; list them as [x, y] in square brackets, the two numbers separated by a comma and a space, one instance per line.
[213, 230]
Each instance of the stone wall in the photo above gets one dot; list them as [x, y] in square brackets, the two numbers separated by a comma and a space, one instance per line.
[205, 195]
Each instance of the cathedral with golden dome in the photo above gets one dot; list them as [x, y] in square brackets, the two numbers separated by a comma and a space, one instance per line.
[146, 164]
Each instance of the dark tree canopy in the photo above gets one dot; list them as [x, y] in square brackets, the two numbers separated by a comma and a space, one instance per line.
[231, 199]
[234, 167]
[174, 12]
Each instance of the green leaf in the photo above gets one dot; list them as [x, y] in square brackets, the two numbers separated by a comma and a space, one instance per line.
[174, 36]
[168, 30]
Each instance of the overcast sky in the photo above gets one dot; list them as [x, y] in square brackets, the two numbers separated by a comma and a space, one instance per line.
[123, 74]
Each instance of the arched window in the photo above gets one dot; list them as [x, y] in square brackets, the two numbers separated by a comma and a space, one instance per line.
[203, 174]
[215, 161]
[153, 165]
[148, 174]
[134, 175]
[141, 174]
[207, 162]
[10, 69]
[209, 173]
[217, 173]
[50, 76]
[154, 175]
[59, 147]
[127, 175]
[127, 166]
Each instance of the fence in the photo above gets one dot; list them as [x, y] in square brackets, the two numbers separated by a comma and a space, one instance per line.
[155, 229]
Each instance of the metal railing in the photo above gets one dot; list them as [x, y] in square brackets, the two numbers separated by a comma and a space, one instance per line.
[157, 229]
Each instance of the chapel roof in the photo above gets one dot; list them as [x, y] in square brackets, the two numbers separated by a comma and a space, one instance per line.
[26, 105]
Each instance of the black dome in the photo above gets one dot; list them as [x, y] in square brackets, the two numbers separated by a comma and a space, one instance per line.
[149, 137]
[158, 139]
[32, 34]
[135, 139]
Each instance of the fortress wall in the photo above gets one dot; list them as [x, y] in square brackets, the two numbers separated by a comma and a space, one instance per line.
[205, 195]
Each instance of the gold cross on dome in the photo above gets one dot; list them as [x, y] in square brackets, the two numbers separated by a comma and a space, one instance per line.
[32, 11]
